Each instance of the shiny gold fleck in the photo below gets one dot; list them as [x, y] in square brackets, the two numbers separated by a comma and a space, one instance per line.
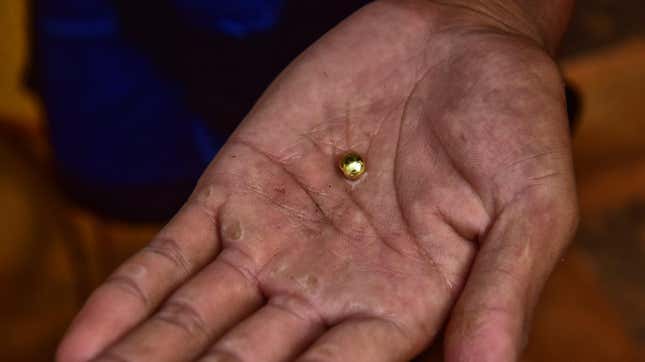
[352, 165]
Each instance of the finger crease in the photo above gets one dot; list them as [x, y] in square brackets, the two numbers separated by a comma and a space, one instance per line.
[127, 284]
[313, 317]
[244, 272]
[184, 316]
[169, 249]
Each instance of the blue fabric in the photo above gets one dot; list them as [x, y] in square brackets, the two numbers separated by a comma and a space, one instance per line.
[237, 18]
[113, 119]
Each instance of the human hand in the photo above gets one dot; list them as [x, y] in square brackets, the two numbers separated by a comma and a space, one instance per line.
[467, 204]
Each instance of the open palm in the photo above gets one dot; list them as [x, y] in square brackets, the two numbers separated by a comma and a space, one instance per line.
[467, 202]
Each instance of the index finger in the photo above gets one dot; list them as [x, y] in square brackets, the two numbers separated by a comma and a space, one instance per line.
[138, 286]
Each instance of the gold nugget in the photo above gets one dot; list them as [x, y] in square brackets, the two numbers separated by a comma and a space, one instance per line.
[352, 165]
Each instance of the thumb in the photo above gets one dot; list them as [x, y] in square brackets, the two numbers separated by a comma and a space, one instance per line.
[490, 321]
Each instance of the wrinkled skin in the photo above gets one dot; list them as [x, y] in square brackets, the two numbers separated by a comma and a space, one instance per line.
[467, 204]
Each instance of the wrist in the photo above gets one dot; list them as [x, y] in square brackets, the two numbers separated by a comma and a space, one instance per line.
[544, 21]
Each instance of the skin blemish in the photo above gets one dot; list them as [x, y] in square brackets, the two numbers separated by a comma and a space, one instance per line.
[308, 283]
[280, 269]
[311, 281]
[233, 231]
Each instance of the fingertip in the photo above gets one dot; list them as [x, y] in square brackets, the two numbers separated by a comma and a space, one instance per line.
[73, 349]
[94, 326]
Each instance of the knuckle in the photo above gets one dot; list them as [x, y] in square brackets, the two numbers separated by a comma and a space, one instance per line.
[171, 250]
[185, 316]
[298, 308]
[128, 284]
[240, 262]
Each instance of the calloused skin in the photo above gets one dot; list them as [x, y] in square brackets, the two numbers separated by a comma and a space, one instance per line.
[467, 204]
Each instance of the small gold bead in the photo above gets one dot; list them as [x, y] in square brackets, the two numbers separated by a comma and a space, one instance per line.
[352, 165]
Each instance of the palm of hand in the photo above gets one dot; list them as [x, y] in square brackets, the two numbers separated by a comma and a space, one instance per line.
[464, 136]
